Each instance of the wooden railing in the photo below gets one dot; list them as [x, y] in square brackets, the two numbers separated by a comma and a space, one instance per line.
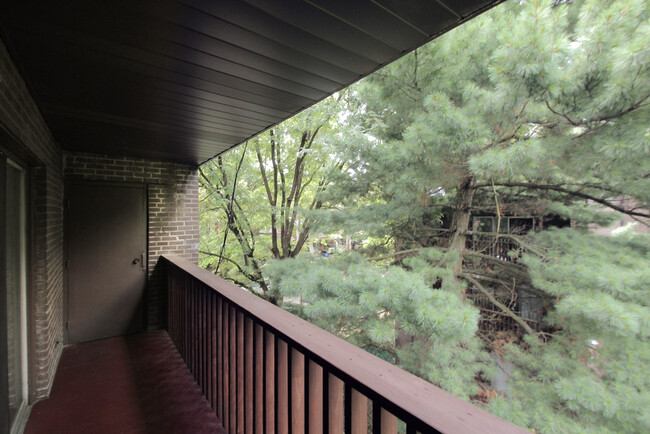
[264, 370]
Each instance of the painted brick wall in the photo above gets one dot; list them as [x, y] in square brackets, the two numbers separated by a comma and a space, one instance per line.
[21, 119]
[173, 216]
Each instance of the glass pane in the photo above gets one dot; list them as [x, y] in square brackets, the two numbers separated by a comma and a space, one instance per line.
[483, 224]
[15, 248]
[503, 224]
[520, 225]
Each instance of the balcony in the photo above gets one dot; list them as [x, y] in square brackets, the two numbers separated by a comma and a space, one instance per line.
[108, 96]
[258, 369]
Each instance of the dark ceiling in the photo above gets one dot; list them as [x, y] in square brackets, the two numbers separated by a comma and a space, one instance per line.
[187, 80]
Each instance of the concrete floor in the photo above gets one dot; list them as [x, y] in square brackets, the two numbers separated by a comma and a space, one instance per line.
[128, 384]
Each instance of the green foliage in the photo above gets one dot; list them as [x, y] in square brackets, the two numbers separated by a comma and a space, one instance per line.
[548, 106]
[537, 107]
[368, 305]
[592, 375]
[283, 174]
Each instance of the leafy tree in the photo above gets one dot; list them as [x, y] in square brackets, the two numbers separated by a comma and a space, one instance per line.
[281, 176]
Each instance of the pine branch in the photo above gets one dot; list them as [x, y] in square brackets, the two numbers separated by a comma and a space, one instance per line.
[564, 115]
[560, 189]
[514, 267]
[635, 106]
[398, 253]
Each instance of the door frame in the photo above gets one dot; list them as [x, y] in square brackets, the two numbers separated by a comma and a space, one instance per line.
[14, 154]
[66, 230]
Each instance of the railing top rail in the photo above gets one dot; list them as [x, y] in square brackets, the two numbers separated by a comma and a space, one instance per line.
[412, 395]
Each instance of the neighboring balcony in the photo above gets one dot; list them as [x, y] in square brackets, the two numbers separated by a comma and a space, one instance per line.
[260, 370]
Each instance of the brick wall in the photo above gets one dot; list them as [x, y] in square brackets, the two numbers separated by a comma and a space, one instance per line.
[172, 206]
[172, 227]
[21, 120]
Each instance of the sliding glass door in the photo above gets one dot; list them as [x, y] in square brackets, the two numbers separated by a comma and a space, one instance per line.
[14, 317]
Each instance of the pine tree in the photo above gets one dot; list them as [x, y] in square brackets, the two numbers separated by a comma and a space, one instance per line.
[535, 107]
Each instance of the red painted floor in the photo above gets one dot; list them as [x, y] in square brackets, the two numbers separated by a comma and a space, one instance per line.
[130, 384]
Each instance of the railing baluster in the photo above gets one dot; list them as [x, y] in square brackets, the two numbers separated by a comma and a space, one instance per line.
[205, 358]
[197, 334]
[190, 321]
[315, 398]
[220, 347]
[232, 367]
[249, 376]
[240, 372]
[282, 386]
[210, 364]
[174, 291]
[177, 310]
[214, 370]
[335, 406]
[259, 379]
[179, 313]
[383, 421]
[200, 354]
[326, 401]
[388, 422]
[269, 391]
[359, 412]
[226, 366]
[196, 347]
[186, 321]
[297, 392]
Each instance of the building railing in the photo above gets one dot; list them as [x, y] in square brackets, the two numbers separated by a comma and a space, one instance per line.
[264, 370]
[498, 247]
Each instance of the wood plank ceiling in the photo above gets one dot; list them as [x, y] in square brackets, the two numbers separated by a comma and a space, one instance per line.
[187, 80]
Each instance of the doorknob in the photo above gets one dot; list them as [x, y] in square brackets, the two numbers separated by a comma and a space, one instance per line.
[140, 261]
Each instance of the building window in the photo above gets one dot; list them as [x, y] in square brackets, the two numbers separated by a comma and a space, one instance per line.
[507, 225]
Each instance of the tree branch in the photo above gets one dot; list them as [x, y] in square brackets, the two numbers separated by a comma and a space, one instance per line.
[500, 305]
[565, 116]
[636, 105]
[558, 188]
[205, 177]
[263, 172]
[241, 270]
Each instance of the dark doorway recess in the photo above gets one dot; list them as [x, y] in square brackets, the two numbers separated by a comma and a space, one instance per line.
[106, 251]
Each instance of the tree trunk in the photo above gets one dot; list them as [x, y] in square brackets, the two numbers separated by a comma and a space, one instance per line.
[460, 223]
